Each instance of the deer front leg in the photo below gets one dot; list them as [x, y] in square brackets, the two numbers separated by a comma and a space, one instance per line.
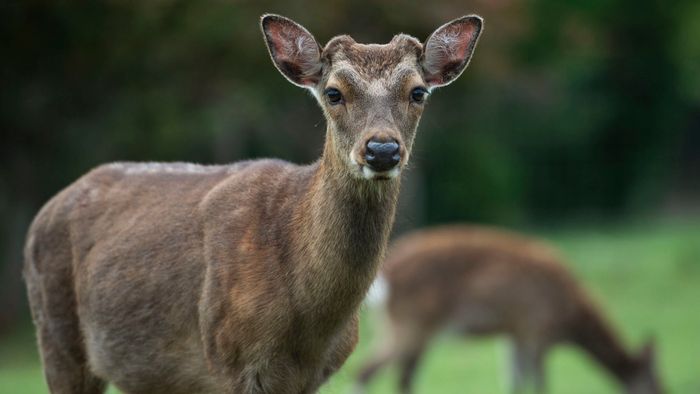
[343, 347]
[527, 367]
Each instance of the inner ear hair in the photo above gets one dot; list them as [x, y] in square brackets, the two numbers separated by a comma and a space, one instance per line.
[293, 50]
[449, 48]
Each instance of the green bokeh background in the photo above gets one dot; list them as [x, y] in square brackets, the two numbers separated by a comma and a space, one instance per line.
[578, 121]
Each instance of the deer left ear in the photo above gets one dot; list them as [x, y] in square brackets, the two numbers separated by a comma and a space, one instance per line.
[648, 351]
[447, 51]
[294, 51]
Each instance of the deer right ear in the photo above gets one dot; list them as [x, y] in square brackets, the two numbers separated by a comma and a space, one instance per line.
[294, 51]
[447, 51]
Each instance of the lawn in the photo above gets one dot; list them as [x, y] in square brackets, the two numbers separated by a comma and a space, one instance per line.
[645, 276]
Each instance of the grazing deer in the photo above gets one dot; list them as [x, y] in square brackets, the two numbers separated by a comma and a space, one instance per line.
[245, 278]
[481, 281]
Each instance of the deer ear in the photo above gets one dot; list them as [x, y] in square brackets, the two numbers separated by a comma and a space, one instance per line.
[447, 51]
[648, 351]
[294, 51]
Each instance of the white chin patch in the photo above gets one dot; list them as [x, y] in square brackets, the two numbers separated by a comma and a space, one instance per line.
[352, 159]
[368, 173]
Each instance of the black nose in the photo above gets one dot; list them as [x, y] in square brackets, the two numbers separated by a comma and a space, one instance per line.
[382, 156]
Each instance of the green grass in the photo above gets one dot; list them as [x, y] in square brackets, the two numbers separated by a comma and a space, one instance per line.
[646, 278]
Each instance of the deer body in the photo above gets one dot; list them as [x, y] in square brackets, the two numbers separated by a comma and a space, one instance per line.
[479, 281]
[245, 278]
[243, 289]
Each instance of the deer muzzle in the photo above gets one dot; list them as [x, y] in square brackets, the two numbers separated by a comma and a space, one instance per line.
[382, 156]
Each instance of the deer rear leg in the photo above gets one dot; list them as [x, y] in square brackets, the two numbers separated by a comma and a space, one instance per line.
[412, 343]
[65, 368]
[52, 302]
[409, 362]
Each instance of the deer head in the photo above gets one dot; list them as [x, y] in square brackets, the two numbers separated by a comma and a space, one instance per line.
[372, 95]
[645, 379]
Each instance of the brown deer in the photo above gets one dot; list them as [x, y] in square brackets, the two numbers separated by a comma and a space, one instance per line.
[481, 281]
[243, 278]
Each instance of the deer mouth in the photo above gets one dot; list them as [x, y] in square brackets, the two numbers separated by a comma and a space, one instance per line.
[371, 174]
[364, 171]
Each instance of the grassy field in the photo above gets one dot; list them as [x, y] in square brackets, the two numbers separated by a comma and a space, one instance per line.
[646, 277]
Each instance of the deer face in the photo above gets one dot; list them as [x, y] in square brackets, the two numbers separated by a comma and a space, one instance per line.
[372, 95]
[645, 379]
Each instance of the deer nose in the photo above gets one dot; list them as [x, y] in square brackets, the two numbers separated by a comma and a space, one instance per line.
[382, 155]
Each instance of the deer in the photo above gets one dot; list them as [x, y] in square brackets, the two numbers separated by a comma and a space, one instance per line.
[481, 281]
[240, 278]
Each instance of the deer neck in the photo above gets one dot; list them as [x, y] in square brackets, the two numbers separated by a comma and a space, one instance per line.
[597, 338]
[345, 225]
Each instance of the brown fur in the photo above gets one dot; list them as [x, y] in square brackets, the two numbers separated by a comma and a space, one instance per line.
[245, 278]
[481, 281]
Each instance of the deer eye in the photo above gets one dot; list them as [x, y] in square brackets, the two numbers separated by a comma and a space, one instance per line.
[334, 96]
[418, 95]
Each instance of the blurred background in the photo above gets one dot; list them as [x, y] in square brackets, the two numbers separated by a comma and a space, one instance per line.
[578, 121]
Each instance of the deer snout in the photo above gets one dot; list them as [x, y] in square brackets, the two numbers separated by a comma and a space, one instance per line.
[381, 155]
